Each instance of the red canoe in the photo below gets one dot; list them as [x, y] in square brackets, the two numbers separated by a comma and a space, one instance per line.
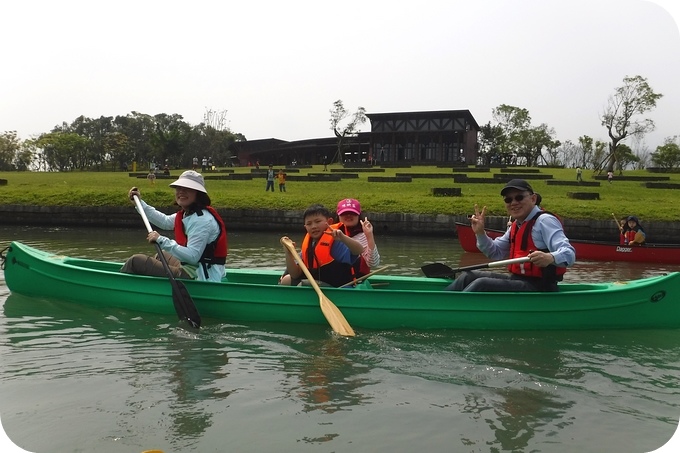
[591, 250]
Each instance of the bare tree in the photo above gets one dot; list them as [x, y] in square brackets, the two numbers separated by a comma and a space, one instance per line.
[568, 153]
[338, 114]
[585, 152]
[622, 115]
[217, 119]
[642, 151]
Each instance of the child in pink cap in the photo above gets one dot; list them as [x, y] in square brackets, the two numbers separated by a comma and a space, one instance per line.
[349, 213]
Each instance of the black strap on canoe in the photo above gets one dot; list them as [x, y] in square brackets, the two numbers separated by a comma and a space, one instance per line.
[3, 258]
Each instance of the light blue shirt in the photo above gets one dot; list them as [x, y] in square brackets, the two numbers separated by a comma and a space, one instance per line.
[200, 230]
[547, 234]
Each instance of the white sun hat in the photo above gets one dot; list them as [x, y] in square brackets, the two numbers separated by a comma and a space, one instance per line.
[191, 180]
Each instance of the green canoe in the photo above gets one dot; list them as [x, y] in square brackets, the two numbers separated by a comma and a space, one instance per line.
[381, 302]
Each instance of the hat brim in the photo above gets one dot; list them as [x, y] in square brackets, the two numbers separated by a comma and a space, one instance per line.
[344, 211]
[523, 189]
[189, 184]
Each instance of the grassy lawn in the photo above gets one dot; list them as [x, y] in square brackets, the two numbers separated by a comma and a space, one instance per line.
[110, 189]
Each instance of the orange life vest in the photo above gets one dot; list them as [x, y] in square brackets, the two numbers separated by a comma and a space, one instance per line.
[321, 263]
[359, 267]
[521, 243]
[216, 251]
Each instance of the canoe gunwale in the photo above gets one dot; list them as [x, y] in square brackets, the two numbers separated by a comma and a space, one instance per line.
[392, 303]
[587, 250]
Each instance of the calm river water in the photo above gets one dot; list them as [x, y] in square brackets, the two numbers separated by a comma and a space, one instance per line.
[74, 379]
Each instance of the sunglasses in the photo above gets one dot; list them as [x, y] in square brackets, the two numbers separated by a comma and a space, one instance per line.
[517, 198]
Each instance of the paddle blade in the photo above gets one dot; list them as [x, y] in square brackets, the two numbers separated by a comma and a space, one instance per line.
[332, 313]
[438, 270]
[184, 304]
[335, 317]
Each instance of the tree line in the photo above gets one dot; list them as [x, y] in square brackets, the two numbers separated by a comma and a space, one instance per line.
[109, 143]
[511, 139]
[113, 143]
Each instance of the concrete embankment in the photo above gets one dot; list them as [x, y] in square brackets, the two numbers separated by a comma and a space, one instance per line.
[291, 221]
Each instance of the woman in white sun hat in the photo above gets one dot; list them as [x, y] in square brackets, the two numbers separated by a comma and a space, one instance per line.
[199, 250]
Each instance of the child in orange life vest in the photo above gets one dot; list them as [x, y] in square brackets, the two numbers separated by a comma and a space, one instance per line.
[327, 253]
[632, 232]
[349, 214]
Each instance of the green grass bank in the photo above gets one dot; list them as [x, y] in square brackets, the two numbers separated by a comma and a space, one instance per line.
[107, 191]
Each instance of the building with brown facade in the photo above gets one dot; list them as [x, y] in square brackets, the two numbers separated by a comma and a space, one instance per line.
[415, 138]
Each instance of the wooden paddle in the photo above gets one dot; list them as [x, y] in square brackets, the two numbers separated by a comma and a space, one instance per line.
[184, 304]
[440, 270]
[618, 224]
[639, 239]
[361, 279]
[332, 313]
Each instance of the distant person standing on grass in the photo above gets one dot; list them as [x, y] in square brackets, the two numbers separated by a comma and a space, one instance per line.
[282, 181]
[270, 179]
[579, 178]
[610, 176]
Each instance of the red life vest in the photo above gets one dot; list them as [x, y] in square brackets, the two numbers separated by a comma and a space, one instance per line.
[321, 263]
[628, 236]
[216, 251]
[359, 267]
[521, 243]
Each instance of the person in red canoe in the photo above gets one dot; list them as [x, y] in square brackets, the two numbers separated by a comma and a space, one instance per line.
[632, 232]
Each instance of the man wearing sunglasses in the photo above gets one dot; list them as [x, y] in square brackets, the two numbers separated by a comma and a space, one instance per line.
[534, 233]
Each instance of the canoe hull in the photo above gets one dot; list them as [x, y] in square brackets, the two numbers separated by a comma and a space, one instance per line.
[590, 250]
[384, 302]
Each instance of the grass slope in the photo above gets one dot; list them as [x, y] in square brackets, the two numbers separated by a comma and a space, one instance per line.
[110, 189]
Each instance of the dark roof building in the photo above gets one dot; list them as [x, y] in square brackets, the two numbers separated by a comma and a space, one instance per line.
[427, 138]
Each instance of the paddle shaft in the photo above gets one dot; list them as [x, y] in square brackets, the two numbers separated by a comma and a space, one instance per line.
[500, 263]
[332, 313]
[618, 224]
[370, 274]
[439, 270]
[184, 305]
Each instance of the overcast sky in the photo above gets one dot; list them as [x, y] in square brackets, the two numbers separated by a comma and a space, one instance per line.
[276, 67]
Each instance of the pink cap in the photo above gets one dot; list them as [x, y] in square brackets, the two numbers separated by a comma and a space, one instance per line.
[349, 205]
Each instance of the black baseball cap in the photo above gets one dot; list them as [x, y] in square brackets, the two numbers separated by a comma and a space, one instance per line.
[518, 184]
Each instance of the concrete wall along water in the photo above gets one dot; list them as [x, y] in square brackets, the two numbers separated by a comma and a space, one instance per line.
[286, 221]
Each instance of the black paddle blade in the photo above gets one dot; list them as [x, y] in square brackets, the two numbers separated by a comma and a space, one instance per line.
[184, 304]
[438, 270]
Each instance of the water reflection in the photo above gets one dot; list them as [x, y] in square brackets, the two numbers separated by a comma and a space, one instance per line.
[134, 374]
[522, 411]
[328, 380]
[52, 341]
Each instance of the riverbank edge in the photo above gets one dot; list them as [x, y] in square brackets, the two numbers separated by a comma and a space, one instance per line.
[290, 221]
